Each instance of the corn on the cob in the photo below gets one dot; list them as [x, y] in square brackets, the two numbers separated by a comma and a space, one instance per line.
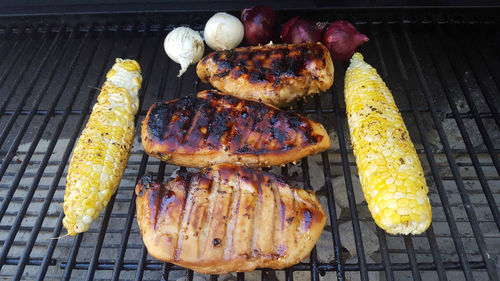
[101, 153]
[389, 168]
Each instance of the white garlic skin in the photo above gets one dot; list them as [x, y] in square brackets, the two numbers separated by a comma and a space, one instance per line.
[223, 32]
[184, 46]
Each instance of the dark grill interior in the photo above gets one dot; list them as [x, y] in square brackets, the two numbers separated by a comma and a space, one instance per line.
[444, 76]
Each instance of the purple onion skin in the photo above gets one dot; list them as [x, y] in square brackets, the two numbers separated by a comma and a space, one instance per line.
[342, 39]
[298, 30]
[259, 23]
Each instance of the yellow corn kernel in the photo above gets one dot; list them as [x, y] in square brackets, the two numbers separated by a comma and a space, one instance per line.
[101, 153]
[391, 173]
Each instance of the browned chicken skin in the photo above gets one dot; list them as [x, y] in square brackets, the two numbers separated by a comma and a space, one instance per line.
[274, 74]
[211, 129]
[228, 218]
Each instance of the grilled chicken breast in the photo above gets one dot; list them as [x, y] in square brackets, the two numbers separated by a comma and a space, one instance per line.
[212, 129]
[274, 74]
[228, 218]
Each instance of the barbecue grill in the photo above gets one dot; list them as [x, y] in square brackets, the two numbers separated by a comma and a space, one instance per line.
[440, 63]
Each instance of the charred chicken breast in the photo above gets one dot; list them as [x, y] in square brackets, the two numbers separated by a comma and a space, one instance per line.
[228, 218]
[274, 74]
[211, 129]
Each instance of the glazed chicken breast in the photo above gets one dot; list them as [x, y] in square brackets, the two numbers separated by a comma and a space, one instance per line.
[211, 129]
[228, 218]
[274, 74]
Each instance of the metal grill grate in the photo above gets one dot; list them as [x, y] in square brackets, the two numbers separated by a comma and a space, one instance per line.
[444, 79]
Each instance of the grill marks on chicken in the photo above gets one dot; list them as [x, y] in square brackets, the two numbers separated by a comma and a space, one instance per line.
[212, 129]
[228, 218]
[274, 74]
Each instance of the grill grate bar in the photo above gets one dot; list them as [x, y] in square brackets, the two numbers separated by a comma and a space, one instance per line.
[94, 261]
[264, 274]
[3, 42]
[306, 181]
[107, 215]
[335, 95]
[142, 169]
[70, 264]
[161, 172]
[435, 254]
[31, 261]
[156, 265]
[128, 224]
[288, 274]
[462, 191]
[386, 259]
[50, 194]
[381, 235]
[412, 258]
[331, 200]
[165, 271]
[430, 237]
[50, 250]
[141, 264]
[468, 115]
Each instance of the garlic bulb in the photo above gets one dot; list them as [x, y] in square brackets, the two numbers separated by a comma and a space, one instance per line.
[184, 46]
[223, 31]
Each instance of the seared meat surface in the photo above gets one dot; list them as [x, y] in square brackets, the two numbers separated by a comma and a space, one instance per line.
[228, 218]
[274, 74]
[212, 129]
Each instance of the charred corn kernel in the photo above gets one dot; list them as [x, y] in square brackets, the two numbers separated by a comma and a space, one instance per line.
[391, 174]
[101, 153]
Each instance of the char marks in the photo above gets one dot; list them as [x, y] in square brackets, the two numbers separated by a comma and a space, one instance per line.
[219, 122]
[274, 74]
[228, 218]
[265, 64]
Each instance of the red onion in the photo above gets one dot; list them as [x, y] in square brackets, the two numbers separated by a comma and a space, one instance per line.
[298, 30]
[259, 23]
[342, 39]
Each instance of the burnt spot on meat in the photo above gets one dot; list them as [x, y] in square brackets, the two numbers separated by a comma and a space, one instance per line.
[239, 71]
[222, 74]
[145, 181]
[306, 220]
[217, 122]
[225, 65]
[257, 77]
[156, 192]
[265, 64]
[244, 149]
[216, 242]
[282, 214]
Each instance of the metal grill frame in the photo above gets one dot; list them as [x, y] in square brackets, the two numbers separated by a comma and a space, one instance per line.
[59, 37]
